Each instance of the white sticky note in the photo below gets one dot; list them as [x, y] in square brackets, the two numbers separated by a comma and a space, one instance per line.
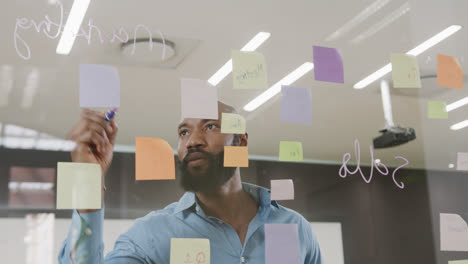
[190, 250]
[78, 185]
[453, 233]
[462, 161]
[232, 124]
[99, 86]
[199, 99]
[282, 190]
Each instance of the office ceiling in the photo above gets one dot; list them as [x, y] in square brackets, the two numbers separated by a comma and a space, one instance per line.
[204, 32]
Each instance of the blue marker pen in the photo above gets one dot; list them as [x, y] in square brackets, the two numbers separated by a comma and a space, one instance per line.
[110, 114]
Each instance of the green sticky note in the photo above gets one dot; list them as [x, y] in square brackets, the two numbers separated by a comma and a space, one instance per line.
[290, 151]
[248, 70]
[232, 124]
[436, 110]
[405, 71]
[78, 185]
[190, 250]
[461, 261]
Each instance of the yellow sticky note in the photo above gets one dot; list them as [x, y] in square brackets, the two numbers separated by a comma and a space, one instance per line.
[290, 151]
[232, 124]
[190, 250]
[436, 110]
[78, 185]
[449, 72]
[248, 70]
[405, 71]
[461, 261]
[154, 159]
[236, 156]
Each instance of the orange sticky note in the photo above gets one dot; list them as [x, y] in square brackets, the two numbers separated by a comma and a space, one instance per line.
[449, 72]
[154, 159]
[236, 156]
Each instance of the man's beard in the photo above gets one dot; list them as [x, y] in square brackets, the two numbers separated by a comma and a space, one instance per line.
[216, 174]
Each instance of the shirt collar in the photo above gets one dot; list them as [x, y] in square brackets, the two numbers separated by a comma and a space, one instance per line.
[260, 194]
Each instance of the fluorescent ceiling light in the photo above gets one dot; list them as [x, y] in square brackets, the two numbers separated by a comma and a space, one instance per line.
[392, 17]
[457, 104]
[358, 19]
[460, 125]
[415, 52]
[252, 45]
[72, 26]
[276, 88]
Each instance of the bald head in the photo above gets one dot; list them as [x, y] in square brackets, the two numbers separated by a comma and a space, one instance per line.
[225, 108]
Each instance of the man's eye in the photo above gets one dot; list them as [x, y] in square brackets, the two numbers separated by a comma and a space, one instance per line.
[211, 126]
[183, 133]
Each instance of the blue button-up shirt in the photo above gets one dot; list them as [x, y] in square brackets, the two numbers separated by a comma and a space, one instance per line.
[148, 240]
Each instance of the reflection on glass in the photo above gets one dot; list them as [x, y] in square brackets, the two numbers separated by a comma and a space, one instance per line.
[31, 188]
[39, 239]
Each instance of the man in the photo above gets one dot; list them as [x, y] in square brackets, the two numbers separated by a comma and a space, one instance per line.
[216, 206]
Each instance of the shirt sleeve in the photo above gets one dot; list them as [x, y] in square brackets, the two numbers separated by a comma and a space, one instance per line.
[313, 256]
[84, 243]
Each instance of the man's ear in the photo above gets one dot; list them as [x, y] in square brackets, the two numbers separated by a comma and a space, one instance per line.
[244, 138]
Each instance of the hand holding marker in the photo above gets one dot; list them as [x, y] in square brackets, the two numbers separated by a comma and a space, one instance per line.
[110, 114]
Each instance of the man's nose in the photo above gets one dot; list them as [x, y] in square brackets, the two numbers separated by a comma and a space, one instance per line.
[196, 140]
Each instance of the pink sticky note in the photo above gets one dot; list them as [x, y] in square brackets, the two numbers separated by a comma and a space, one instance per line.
[282, 244]
[328, 65]
[99, 86]
[462, 161]
[282, 190]
[199, 99]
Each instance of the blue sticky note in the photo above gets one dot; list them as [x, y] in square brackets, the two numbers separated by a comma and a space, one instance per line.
[328, 65]
[282, 244]
[99, 86]
[296, 105]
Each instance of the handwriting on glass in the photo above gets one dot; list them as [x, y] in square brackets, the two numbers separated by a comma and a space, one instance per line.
[45, 26]
[343, 172]
[199, 258]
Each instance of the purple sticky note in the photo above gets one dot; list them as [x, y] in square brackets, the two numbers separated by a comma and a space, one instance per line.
[328, 65]
[282, 244]
[199, 99]
[99, 86]
[296, 105]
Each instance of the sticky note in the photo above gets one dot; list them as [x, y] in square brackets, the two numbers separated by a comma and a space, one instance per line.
[99, 86]
[235, 156]
[232, 124]
[462, 161]
[282, 190]
[328, 65]
[405, 71]
[436, 110]
[453, 233]
[190, 250]
[154, 159]
[296, 105]
[199, 99]
[78, 185]
[290, 151]
[449, 72]
[248, 70]
[282, 244]
[461, 261]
